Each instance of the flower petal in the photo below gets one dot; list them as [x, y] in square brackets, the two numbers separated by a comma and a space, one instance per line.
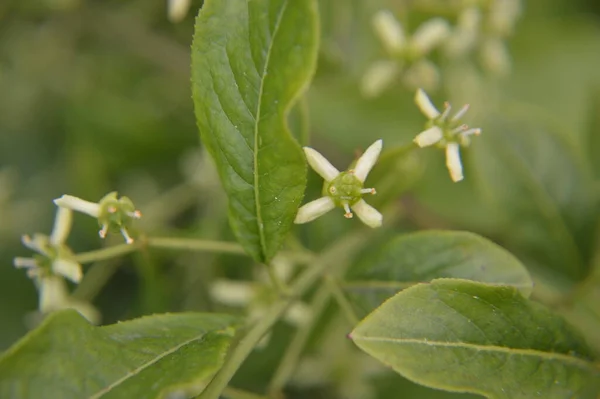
[67, 268]
[314, 209]
[367, 214]
[429, 137]
[38, 243]
[389, 31]
[25, 263]
[430, 34]
[425, 105]
[53, 294]
[453, 162]
[177, 9]
[77, 204]
[231, 293]
[379, 76]
[367, 160]
[495, 57]
[320, 165]
[62, 226]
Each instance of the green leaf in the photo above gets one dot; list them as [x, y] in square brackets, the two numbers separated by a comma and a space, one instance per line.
[150, 357]
[419, 257]
[464, 336]
[541, 185]
[250, 61]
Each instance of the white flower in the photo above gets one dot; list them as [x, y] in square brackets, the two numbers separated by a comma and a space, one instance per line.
[53, 255]
[112, 212]
[444, 131]
[343, 189]
[407, 54]
[427, 36]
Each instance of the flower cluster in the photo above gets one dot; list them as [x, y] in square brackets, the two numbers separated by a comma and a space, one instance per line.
[343, 189]
[482, 26]
[53, 261]
[445, 132]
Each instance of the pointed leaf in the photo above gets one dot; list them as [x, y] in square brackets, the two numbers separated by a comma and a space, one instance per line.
[463, 336]
[250, 61]
[420, 257]
[150, 357]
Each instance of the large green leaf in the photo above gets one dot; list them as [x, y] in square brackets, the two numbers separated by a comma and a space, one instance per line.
[419, 257]
[250, 61]
[465, 336]
[150, 357]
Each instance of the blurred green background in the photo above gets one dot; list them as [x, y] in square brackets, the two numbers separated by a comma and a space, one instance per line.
[95, 97]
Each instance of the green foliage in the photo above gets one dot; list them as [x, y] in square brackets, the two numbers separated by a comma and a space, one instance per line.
[151, 357]
[464, 336]
[105, 86]
[544, 189]
[249, 63]
[420, 257]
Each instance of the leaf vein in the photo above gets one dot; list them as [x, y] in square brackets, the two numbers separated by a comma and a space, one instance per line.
[144, 366]
[259, 218]
[486, 348]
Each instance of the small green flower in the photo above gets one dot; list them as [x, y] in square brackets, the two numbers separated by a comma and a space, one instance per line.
[113, 213]
[343, 189]
[445, 132]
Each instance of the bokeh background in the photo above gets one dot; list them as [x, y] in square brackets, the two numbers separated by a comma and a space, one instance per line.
[95, 96]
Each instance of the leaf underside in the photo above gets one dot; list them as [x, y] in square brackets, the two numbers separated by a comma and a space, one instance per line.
[464, 336]
[150, 357]
[250, 61]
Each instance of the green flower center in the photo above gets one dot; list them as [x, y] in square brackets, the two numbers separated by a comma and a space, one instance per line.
[344, 189]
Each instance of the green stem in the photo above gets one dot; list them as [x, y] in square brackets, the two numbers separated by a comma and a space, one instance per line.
[343, 248]
[184, 244]
[341, 300]
[294, 350]
[95, 278]
[107, 253]
[280, 286]
[192, 244]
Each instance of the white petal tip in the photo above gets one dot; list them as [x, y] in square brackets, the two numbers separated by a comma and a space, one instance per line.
[367, 214]
[425, 105]
[320, 164]
[429, 137]
[367, 160]
[312, 210]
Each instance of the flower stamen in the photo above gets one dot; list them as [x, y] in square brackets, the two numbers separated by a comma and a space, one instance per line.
[461, 112]
[103, 231]
[348, 214]
[126, 235]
